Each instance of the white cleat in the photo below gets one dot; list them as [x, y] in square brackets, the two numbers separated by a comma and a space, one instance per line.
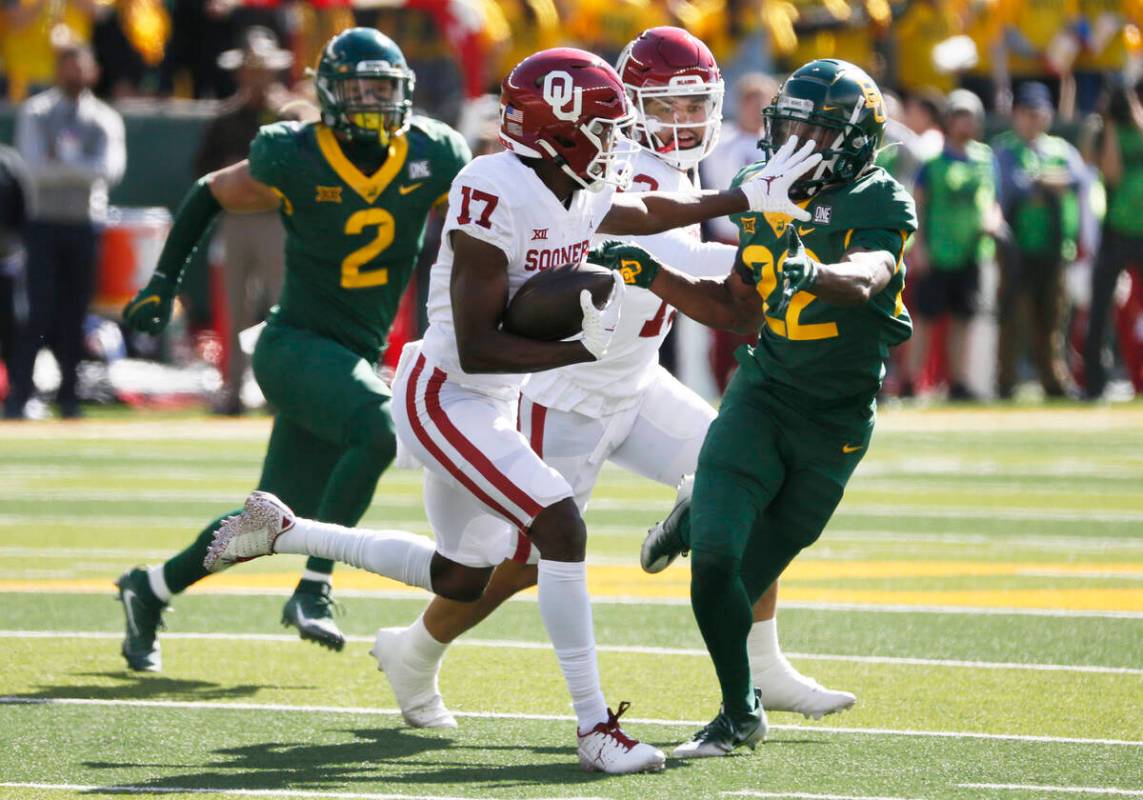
[251, 534]
[606, 748]
[417, 690]
[783, 688]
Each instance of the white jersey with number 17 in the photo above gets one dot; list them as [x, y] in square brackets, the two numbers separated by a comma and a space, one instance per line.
[499, 200]
[618, 380]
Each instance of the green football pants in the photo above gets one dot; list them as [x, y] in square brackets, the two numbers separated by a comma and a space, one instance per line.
[332, 437]
[768, 480]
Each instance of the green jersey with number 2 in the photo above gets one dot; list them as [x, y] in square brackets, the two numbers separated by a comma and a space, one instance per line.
[817, 351]
[352, 240]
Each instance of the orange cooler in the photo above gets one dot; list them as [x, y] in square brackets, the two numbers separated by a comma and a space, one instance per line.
[132, 241]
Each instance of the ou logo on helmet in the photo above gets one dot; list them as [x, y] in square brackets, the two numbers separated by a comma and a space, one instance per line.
[560, 92]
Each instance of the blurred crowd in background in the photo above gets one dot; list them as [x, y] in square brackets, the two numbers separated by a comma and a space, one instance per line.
[1018, 124]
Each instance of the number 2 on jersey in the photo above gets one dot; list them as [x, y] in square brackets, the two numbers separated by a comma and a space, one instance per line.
[351, 275]
[790, 327]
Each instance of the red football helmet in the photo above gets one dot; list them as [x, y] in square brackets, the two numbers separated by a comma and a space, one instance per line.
[676, 91]
[568, 106]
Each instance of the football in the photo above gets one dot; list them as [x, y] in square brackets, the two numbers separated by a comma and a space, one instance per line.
[547, 307]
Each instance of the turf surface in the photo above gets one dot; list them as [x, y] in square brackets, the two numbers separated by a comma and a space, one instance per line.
[980, 590]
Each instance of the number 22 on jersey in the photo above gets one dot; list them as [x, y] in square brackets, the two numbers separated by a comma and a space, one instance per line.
[791, 327]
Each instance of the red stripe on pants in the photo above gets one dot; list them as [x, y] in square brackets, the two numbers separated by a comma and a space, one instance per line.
[539, 415]
[523, 547]
[427, 442]
[470, 453]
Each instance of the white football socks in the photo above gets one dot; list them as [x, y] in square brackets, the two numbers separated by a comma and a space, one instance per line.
[566, 611]
[158, 582]
[424, 651]
[399, 555]
[762, 644]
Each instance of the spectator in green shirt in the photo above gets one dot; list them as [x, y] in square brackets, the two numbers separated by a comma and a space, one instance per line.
[956, 204]
[1039, 176]
[1120, 160]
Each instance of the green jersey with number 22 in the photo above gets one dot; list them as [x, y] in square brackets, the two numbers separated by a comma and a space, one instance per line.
[817, 351]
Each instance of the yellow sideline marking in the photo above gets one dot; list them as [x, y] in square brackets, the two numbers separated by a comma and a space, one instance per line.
[813, 569]
[1126, 418]
[608, 580]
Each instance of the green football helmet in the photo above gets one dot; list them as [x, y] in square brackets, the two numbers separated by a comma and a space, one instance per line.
[364, 85]
[836, 104]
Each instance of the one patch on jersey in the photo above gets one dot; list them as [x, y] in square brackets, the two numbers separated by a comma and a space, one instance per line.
[328, 194]
[823, 215]
[419, 169]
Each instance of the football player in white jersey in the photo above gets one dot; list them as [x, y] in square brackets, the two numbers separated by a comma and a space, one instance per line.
[533, 207]
[625, 407]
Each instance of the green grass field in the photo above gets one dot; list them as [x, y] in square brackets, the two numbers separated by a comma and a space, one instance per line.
[980, 590]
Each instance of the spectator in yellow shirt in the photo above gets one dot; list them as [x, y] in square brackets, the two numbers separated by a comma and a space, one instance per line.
[606, 26]
[1102, 32]
[1041, 41]
[26, 44]
[924, 25]
[984, 25]
[533, 25]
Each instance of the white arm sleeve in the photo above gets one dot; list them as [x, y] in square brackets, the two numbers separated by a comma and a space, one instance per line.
[686, 253]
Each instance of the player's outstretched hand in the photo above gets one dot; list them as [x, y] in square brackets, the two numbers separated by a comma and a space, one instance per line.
[599, 323]
[769, 190]
[150, 310]
[799, 271]
[636, 265]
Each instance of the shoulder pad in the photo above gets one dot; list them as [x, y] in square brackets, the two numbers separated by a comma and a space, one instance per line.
[877, 200]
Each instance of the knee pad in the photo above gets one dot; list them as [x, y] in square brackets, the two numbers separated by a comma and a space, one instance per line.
[372, 426]
[711, 566]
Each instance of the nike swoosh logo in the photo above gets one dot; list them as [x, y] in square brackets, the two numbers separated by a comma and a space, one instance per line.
[806, 231]
[128, 602]
[145, 301]
[412, 187]
[851, 448]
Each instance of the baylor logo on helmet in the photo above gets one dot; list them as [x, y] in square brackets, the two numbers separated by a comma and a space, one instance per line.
[873, 98]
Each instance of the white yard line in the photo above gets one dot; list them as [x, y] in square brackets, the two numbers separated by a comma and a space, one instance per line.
[89, 521]
[305, 794]
[367, 711]
[851, 509]
[624, 600]
[870, 537]
[518, 644]
[1028, 787]
[1034, 542]
[894, 608]
[810, 795]
[285, 793]
[1107, 574]
[1046, 543]
[125, 553]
